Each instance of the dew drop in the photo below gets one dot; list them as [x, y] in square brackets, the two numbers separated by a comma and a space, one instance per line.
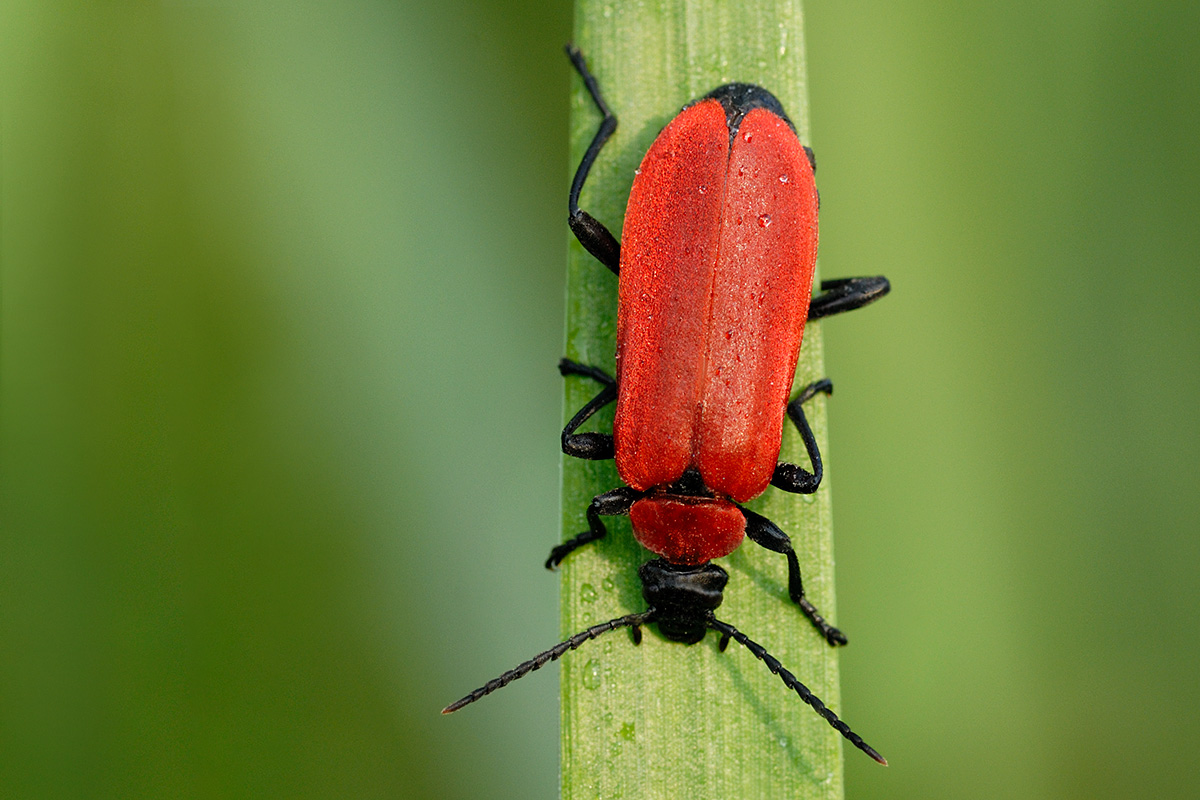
[741, 172]
[607, 718]
[747, 136]
[607, 585]
[637, 171]
[783, 178]
[626, 732]
[703, 188]
[764, 221]
[591, 674]
[587, 593]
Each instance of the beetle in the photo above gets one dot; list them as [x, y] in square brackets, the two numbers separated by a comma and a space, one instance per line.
[715, 271]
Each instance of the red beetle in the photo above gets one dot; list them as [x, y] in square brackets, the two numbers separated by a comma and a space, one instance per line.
[716, 266]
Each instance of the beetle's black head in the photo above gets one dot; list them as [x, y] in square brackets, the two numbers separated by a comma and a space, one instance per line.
[683, 598]
[682, 601]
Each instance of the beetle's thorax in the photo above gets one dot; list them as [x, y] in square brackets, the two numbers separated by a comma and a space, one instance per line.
[687, 528]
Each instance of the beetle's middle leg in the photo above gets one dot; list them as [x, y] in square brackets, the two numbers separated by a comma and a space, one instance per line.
[590, 446]
[793, 478]
[847, 294]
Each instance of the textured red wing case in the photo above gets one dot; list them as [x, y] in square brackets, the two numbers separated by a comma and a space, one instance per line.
[717, 256]
[668, 252]
[763, 282]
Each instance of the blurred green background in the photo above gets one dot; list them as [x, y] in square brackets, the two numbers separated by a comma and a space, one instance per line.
[281, 302]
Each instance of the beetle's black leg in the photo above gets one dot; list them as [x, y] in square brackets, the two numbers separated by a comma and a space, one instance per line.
[590, 232]
[762, 531]
[609, 504]
[790, 477]
[568, 367]
[847, 294]
[590, 446]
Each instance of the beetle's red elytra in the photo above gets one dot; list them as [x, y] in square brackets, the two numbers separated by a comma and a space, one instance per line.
[715, 271]
[713, 301]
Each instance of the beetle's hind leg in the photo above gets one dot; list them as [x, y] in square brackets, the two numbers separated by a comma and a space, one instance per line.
[762, 531]
[610, 504]
[590, 232]
[568, 367]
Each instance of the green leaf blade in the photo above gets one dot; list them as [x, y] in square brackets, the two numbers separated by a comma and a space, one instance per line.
[665, 720]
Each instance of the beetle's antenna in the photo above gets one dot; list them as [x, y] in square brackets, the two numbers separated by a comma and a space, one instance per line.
[729, 632]
[634, 621]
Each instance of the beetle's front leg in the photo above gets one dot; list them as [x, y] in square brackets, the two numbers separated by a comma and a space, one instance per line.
[610, 504]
